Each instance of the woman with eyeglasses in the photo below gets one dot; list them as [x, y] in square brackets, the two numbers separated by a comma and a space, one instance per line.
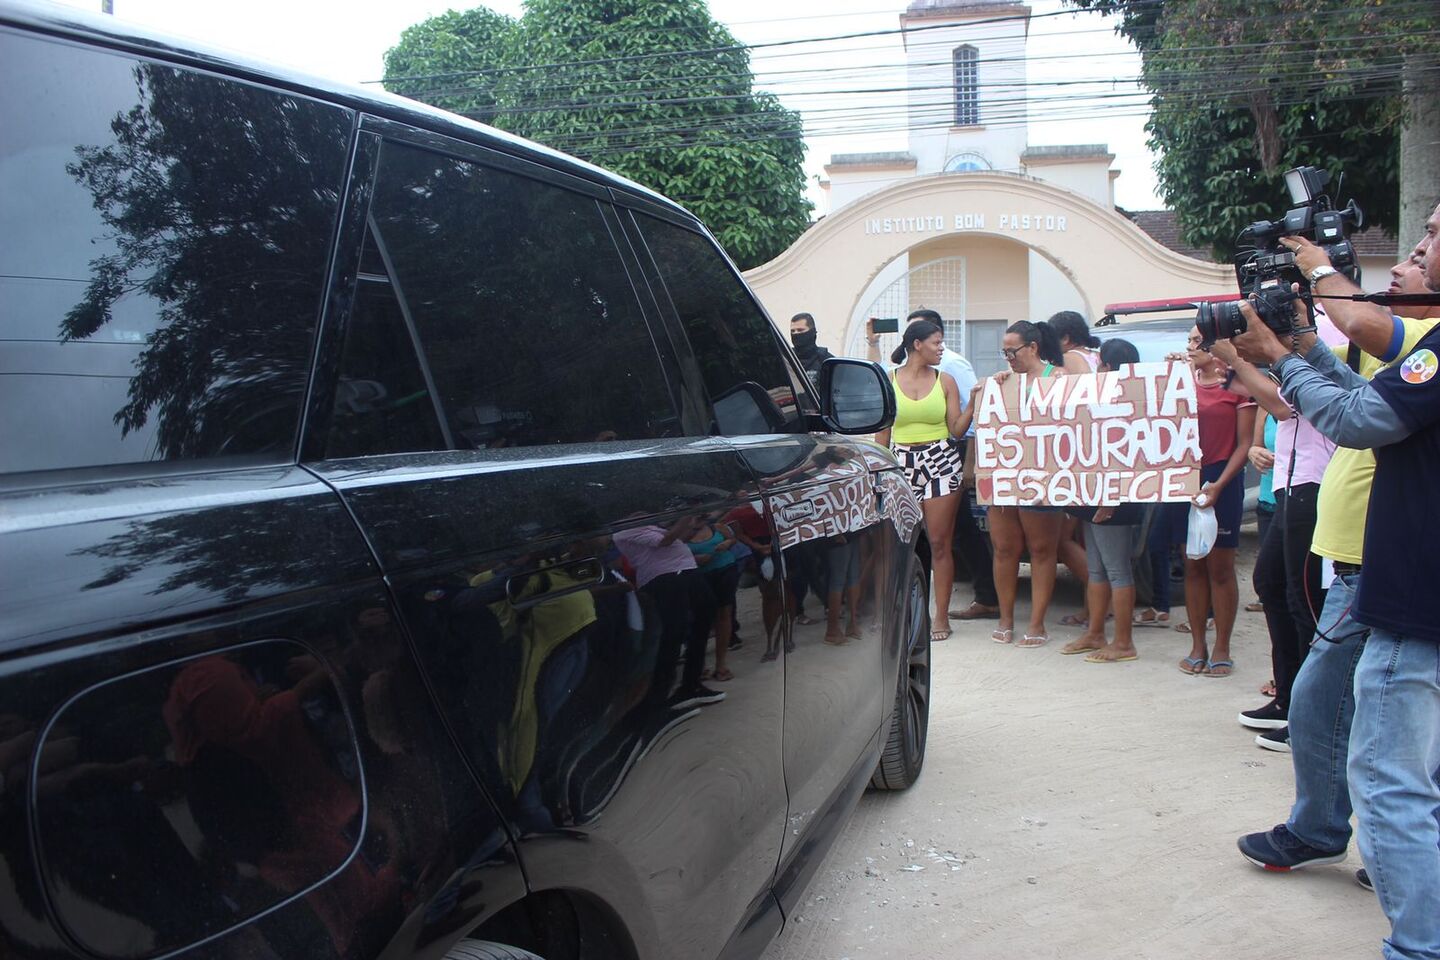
[927, 415]
[1032, 349]
[1227, 423]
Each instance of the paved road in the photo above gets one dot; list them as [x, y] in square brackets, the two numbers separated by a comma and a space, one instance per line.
[1081, 811]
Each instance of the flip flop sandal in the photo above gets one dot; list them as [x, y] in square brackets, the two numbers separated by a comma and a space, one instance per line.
[1212, 664]
[1154, 620]
[805, 621]
[1003, 636]
[936, 636]
[1070, 650]
[1074, 620]
[1094, 658]
[723, 674]
[1034, 642]
[1196, 666]
[1255, 607]
[1267, 689]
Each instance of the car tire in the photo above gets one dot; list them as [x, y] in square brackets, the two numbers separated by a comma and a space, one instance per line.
[904, 753]
[485, 950]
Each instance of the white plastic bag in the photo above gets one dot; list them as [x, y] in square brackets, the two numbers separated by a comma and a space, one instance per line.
[1203, 529]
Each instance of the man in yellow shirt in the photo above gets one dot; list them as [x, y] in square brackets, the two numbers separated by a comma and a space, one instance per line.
[1323, 702]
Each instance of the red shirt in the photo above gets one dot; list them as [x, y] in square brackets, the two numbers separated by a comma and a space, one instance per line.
[1219, 410]
[749, 522]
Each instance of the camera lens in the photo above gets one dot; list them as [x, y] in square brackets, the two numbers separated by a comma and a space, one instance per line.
[1219, 321]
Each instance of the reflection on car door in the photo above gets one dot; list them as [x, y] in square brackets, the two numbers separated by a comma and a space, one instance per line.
[838, 559]
[505, 429]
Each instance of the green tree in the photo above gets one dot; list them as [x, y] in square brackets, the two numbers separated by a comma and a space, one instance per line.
[654, 90]
[1241, 94]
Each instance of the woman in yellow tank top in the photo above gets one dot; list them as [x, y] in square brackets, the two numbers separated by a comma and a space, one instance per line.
[927, 414]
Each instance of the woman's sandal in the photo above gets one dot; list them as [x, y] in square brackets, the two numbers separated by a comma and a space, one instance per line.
[1193, 666]
[1003, 636]
[938, 635]
[1033, 642]
[1210, 666]
[1155, 618]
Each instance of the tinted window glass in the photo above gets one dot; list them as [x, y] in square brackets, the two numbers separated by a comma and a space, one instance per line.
[738, 350]
[163, 240]
[529, 325]
[382, 403]
[177, 802]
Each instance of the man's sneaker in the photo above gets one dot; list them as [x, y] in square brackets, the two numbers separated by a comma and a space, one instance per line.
[1275, 740]
[1281, 851]
[696, 696]
[1269, 717]
[1363, 878]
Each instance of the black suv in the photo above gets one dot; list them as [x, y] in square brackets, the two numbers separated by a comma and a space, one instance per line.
[348, 455]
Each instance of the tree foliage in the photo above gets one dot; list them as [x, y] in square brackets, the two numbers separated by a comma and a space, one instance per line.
[1243, 93]
[654, 90]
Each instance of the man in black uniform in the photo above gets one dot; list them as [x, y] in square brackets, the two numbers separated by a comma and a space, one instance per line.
[802, 335]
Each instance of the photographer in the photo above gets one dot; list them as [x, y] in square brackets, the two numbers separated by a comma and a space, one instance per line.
[1394, 752]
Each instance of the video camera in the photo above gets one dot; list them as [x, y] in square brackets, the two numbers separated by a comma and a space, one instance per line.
[1265, 269]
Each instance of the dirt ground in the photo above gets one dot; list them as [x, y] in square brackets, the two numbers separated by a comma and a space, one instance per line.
[1079, 810]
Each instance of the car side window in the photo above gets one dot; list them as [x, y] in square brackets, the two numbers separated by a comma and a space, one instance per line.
[528, 324]
[751, 387]
[382, 402]
[164, 243]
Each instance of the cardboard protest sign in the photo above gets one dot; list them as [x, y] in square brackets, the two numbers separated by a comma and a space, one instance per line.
[1095, 439]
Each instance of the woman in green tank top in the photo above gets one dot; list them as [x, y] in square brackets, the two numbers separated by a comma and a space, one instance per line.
[927, 414]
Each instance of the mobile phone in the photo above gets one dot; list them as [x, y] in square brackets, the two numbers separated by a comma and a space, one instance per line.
[885, 324]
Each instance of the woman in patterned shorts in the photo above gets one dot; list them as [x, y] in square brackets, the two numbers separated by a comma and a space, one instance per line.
[927, 413]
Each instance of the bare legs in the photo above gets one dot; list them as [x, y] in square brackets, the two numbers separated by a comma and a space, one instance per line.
[1011, 530]
[1072, 551]
[1007, 540]
[1210, 585]
[940, 524]
[1042, 536]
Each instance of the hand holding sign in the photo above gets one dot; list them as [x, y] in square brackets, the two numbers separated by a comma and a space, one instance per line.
[1097, 439]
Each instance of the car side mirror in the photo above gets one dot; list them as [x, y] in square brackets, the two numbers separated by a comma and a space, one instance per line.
[855, 396]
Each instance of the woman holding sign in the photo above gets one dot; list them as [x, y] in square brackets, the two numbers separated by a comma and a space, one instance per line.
[927, 415]
[1227, 424]
[1029, 348]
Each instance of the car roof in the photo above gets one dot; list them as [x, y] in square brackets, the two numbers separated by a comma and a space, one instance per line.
[108, 31]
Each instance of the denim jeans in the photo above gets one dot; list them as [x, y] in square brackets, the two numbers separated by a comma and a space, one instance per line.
[1321, 707]
[1394, 765]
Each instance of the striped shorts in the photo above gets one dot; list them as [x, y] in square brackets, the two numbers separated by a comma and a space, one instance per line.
[933, 469]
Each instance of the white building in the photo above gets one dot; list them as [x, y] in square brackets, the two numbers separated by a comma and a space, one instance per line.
[974, 222]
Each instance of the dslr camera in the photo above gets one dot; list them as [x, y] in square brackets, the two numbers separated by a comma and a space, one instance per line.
[1265, 270]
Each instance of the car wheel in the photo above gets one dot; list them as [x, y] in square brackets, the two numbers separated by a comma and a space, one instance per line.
[904, 752]
[485, 950]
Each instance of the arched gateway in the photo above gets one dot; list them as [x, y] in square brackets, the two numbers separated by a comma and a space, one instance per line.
[992, 220]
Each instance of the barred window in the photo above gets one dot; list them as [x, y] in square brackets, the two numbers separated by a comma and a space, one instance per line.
[967, 92]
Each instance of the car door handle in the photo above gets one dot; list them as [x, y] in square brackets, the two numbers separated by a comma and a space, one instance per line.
[543, 584]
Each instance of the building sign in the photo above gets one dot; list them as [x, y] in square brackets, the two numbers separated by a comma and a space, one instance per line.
[957, 223]
[1095, 439]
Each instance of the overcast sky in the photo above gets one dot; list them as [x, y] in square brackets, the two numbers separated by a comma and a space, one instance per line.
[347, 39]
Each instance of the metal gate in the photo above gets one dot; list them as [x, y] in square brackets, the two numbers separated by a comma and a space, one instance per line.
[938, 285]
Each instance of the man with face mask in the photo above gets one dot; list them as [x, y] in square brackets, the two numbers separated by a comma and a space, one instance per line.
[802, 336]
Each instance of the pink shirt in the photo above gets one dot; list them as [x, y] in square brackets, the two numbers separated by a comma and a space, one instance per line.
[1312, 453]
[651, 558]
